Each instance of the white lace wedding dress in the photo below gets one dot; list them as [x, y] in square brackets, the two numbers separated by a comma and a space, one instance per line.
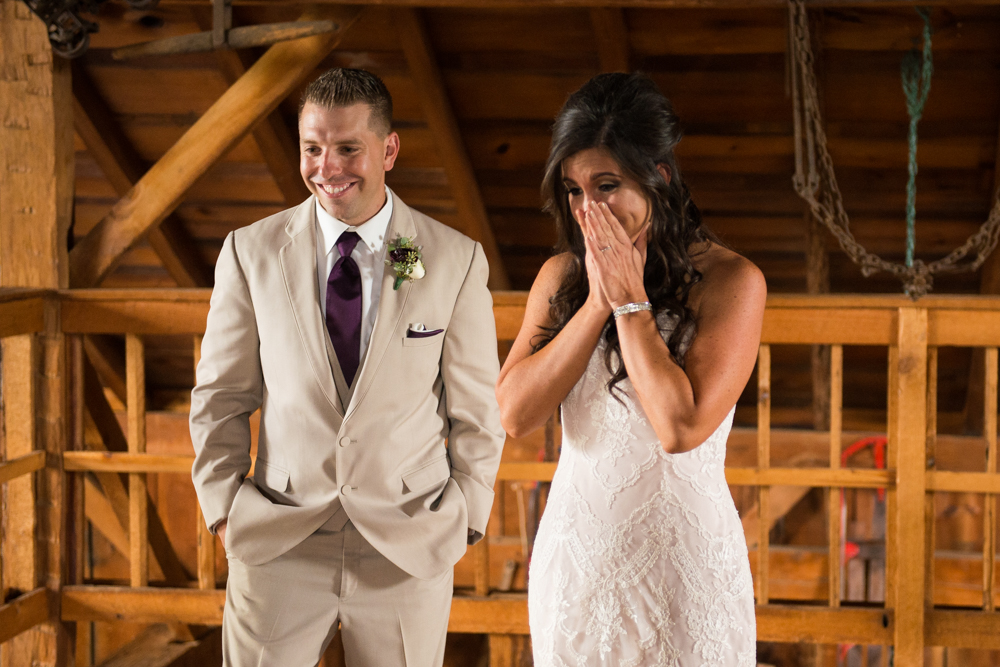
[640, 557]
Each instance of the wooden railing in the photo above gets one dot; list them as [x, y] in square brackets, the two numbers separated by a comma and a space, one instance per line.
[908, 619]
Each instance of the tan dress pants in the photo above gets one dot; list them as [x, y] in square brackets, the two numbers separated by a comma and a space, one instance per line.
[285, 612]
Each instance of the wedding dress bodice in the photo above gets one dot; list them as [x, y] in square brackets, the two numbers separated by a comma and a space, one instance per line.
[640, 557]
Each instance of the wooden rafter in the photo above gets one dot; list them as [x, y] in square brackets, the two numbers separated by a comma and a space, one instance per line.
[611, 35]
[108, 360]
[283, 67]
[444, 126]
[274, 139]
[123, 167]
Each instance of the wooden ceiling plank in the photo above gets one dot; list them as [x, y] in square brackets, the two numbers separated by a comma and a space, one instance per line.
[123, 167]
[161, 189]
[275, 140]
[611, 35]
[444, 125]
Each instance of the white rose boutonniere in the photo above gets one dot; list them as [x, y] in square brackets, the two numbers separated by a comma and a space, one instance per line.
[405, 260]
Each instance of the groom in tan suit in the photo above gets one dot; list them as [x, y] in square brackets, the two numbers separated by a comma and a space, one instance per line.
[380, 435]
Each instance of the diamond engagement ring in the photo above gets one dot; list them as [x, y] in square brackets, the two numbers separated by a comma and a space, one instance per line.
[606, 248]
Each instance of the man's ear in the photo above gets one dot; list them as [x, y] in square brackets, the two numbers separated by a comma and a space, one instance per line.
[391, 150]
[664, 172]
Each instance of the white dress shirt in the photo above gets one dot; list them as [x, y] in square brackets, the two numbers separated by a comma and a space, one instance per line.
[369, 254]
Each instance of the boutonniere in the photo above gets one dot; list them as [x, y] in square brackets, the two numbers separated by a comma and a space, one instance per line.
[405, 260]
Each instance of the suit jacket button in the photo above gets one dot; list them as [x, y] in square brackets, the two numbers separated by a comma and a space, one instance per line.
[345, 489]
[345, 441]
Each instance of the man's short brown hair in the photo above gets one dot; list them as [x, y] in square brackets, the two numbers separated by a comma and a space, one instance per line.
[341, 87]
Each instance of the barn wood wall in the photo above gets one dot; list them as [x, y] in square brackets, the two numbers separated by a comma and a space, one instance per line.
[506, 73]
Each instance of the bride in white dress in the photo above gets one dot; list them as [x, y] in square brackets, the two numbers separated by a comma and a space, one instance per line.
[645, 330]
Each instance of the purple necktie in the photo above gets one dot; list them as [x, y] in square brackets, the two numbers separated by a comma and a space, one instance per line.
[343, 306]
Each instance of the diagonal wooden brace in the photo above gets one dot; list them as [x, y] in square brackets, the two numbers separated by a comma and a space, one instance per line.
[258, 92]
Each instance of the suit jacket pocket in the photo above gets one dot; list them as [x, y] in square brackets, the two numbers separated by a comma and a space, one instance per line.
[428, 475]
[423, 340]
[270, 476]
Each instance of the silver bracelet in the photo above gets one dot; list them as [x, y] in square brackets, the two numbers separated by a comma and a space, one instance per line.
[632, 308]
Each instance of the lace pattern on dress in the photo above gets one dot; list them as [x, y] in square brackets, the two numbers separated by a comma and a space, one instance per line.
[640, 558]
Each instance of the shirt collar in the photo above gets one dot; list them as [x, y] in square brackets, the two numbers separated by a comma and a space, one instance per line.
[372, 231]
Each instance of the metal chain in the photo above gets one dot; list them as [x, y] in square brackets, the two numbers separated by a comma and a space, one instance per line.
[916, 74]
[816, 182]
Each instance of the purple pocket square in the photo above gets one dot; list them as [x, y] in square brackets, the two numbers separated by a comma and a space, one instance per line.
[410, 333]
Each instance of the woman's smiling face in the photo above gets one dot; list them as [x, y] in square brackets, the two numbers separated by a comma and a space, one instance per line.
[592, 175]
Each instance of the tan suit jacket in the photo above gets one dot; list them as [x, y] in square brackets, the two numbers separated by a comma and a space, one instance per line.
[412, 456]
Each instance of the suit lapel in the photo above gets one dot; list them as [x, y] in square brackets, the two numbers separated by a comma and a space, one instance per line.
[298, 268]
[390, 307]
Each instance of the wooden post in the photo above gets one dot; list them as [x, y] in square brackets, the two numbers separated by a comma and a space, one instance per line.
[443, 124]
[930, 447]
[206, 540]
[160, 190]
[763, 462]
[834, 495]
[36, 200]
[909, 428]
[138, 529]
[990, 509]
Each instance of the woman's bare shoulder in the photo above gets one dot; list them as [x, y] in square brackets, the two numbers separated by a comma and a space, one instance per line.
[550, 277]
[727, 275]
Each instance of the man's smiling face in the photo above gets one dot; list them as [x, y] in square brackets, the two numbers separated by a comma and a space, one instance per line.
[343, 160]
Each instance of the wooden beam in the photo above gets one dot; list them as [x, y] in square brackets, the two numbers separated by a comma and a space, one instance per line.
[158, 646]
[127, 462]
[276, 141]
[444, 126]
[142, 605]
[611, 35]
[100, 513]
[36, 207]
[22, 465]
[138, 519]
[135, 311]
[22, 315]
[23, 613]
[107, 356]
[905, 552]
[123, 167]
[968, 629]
[279, 71]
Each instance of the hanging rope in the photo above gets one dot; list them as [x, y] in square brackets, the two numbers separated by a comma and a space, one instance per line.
[916, 76]
[816, 183]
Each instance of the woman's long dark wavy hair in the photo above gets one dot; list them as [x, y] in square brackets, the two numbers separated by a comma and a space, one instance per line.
[629, 117]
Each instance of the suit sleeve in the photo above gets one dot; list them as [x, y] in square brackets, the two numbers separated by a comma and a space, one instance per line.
[229, 388]
[469, 369]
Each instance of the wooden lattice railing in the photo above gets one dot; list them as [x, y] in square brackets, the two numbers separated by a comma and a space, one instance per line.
[907, 619]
